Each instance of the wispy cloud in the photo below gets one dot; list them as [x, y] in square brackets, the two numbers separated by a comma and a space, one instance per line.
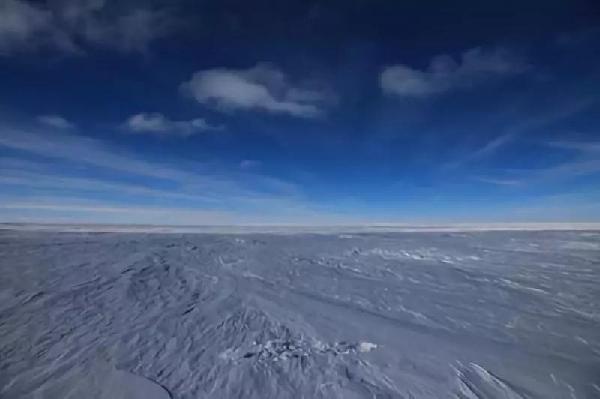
[498, 181]
[55, 121]
[248, 164]
[482, 152]
[56, 181]
[444, 73]
[564, 207]
[61, 210]
[260, 88]
[515, 130]
[156, 123]
[66, 165]
[67, 146]
[492, 145]
[67, 211]
[580, 167]
[584, 162]
[70, 24]
[20, 24]
[578, 37]
[584, 147]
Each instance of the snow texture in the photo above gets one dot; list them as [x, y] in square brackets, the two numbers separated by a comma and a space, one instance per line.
[475, 314]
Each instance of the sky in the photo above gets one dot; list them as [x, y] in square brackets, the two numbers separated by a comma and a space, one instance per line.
[299, 112]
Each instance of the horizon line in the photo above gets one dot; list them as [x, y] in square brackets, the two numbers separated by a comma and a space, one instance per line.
[307, 228]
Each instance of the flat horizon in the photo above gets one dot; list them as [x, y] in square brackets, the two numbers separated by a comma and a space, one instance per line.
[309, 228]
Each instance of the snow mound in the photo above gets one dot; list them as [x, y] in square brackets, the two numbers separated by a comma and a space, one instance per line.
[276, 350]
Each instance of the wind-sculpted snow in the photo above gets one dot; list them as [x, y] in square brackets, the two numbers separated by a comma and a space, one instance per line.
[382, 315]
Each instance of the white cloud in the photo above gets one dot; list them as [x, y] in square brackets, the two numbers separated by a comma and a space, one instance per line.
[158, 124]
[55, 121]
[262, 88]
[444, 73]
[69, 25]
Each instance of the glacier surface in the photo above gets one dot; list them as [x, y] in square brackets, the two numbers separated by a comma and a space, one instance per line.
[476, 314]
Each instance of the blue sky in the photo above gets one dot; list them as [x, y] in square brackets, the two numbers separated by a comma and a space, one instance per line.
[304, 112]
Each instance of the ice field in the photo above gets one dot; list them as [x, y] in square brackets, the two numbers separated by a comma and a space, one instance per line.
[497, 314]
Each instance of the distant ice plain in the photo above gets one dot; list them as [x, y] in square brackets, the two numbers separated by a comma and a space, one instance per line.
[328, 312]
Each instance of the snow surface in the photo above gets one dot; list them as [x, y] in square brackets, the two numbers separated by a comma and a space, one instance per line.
[499, 314]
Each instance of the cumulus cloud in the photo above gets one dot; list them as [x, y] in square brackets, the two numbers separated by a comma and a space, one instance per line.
[261, 88]
[444, 73]
[157, 123]
[55, 121]
[70, 25]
